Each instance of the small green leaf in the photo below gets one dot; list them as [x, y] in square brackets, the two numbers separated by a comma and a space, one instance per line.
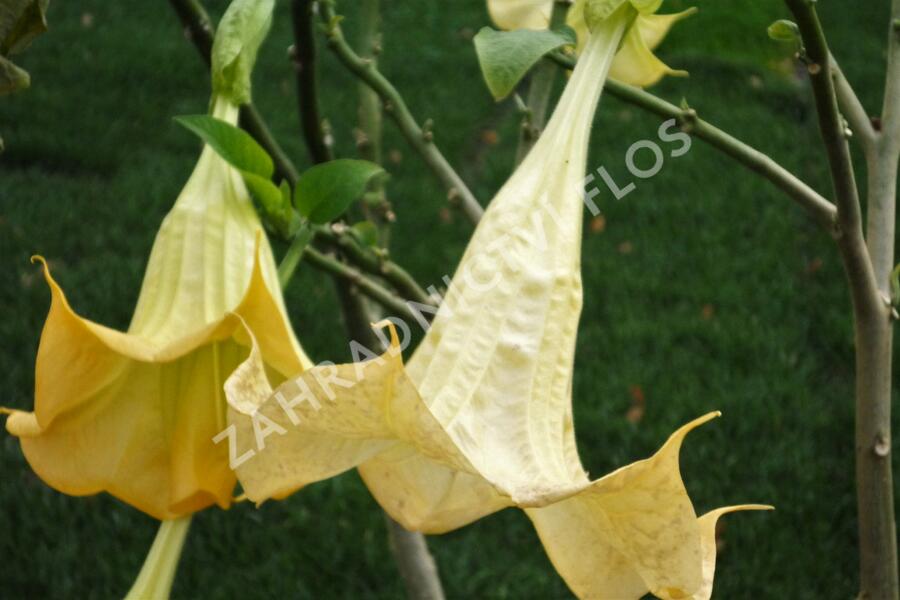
[20, 22]
[231, 143]
[506, 56]
[366, 232]
[273, 202]
[325, 191]
[12, 78]
[783, 30]
[266, 193]
[241, 32]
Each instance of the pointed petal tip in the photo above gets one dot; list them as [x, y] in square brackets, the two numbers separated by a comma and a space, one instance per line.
[22, 424]
[724, 510]
[714, 414]
[389, 325]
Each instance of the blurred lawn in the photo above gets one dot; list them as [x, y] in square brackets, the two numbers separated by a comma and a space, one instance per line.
[706, 288]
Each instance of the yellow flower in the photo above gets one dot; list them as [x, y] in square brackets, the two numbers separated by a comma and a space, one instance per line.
[481, 419]
[133, 413]
[634, 63]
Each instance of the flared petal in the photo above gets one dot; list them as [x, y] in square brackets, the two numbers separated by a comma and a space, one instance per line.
[655, 27]
[630, 532]
[708, 544]
[115, 412]
[520, 14]
[134, 413]
[635, 62]
[327, 420]
[621, 536]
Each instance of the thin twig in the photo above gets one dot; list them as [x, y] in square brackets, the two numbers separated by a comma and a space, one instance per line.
[853, 110]
[372, 263]
[820, 208]
[303, 53]
[831, 126]
[366, 285]
[395, 107]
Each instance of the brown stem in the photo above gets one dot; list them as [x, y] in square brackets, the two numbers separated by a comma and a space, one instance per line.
[868, 276]
[417, 567]
[304, 56]
[421, 140]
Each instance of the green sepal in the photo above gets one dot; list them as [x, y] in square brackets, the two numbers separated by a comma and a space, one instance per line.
[274, 204]
[241, 32]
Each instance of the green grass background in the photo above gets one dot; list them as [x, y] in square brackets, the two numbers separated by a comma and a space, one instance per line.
[729, 298]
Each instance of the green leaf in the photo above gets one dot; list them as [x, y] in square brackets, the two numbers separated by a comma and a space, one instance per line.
[783, 30]
[506, 56]
[240, 34]
[12, 78]
[20, 22]
[274, 203]
[325, 191]
[232, 143]
[265, 192]
[366, 232]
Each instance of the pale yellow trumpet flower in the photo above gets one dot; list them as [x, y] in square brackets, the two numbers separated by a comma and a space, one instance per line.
[635, 63]
[133, 413]
[481, 419]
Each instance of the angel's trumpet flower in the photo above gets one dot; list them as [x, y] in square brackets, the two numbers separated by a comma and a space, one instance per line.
[635, 63]
[482, 418]
[133, 413]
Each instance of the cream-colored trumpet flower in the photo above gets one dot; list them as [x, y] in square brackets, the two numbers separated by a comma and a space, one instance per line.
[635, 63]
[481, 418]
